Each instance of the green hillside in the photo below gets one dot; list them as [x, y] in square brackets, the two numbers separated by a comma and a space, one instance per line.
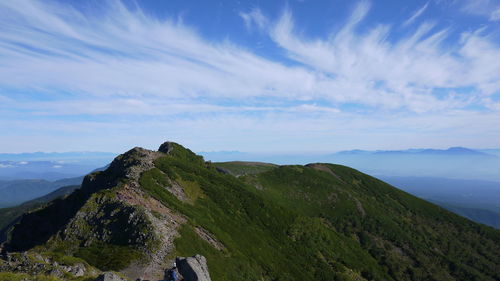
[239, 168]
[313, 222]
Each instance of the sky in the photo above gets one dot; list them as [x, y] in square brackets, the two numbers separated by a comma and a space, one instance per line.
[256, 76]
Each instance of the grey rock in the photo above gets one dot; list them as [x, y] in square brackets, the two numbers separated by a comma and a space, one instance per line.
[166, 147]
[193, 268]
[78, 270]
[109, 276]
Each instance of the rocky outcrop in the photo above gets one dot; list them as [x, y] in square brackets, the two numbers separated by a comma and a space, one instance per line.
[112, 209]
[166, 147]
[109, 276]
[35, 229]
[193, 268]
[36, 264]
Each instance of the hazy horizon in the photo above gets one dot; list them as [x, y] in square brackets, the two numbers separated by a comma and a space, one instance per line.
[266, 152]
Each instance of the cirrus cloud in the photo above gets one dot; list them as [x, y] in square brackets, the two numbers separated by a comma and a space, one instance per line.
[59, 64]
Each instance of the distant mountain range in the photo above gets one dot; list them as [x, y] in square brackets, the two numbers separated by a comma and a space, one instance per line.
[427, 151]
[454, 162]
[18, 191]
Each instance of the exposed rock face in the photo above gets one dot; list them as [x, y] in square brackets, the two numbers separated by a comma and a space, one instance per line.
[193, 268]
[109, 276]
[166, 147]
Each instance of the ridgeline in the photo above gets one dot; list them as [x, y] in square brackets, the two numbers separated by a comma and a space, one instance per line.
[252, 221]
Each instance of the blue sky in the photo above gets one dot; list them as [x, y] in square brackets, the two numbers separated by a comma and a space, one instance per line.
[267, 76]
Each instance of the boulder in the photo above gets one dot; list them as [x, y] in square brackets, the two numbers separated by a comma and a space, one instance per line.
[193, 268]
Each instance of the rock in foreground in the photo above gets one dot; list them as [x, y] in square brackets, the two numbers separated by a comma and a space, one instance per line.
[193, 268]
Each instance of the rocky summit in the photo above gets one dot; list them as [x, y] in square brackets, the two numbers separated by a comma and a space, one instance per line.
[242, 221]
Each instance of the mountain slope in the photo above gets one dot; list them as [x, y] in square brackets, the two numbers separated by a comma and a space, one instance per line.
[314, 222]
[397, 229]
[9, 215]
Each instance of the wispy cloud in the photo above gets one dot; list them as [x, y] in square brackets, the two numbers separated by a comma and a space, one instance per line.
[369, 68]
[56, 61]
[254, 17]
[417, 14]
[487, 8]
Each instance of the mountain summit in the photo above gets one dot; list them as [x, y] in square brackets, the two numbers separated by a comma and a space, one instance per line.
[252, 221]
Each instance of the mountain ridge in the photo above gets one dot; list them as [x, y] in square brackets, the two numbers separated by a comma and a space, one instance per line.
[332, 222]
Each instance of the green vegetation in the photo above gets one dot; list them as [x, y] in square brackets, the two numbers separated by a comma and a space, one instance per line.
[314, 222]
[107, 256]
[257, 233]
[399, 230]
[63, 259]
[327, 222]
[239, 168]
[11, 276]
[191, 188]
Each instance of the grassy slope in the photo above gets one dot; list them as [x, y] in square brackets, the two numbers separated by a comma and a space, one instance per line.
[238, 168]
[409, 237]
[308, 224]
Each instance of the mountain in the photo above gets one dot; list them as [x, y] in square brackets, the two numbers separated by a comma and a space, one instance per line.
[15, 192]
[414, 151]
[454, 162]
[450, 151]
[252, 221]
[11, 214]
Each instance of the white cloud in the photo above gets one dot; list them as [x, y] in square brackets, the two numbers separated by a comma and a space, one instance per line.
[256, 17]
[417, 14]
[137, 61]
[487, 8]
[495, 15]
[164, 80]
[368, 68]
